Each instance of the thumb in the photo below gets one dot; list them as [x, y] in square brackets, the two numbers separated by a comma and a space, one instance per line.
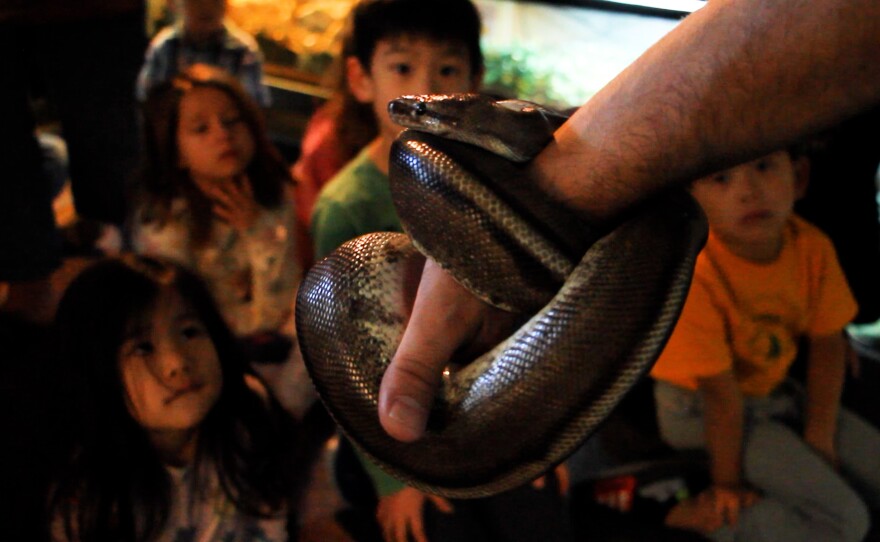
[444, 315]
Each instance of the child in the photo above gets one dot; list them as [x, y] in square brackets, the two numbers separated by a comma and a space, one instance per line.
[337, 131]
[397, 50]
[215, 197]
[204, 36]
[785, 465]
[172, 440]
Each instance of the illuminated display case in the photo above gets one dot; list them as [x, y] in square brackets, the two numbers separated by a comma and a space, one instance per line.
[554, 52]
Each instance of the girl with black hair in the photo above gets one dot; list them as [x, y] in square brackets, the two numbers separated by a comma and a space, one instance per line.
[173, 440]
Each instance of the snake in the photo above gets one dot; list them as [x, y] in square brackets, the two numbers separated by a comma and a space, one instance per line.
[596, 303]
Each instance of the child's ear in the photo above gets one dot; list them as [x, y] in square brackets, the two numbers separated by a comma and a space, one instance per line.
[359, 81]
[801, 176]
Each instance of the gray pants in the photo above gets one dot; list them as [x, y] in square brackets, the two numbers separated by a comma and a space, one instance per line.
[804, 498]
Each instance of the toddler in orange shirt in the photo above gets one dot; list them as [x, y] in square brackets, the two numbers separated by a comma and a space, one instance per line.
[786, 463]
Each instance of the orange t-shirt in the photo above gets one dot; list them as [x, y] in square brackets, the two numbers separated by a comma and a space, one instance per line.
[748, 317]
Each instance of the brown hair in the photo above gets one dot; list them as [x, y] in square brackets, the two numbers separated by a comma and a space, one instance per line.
[162, 178]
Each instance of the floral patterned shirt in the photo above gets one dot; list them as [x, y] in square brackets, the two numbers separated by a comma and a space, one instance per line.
[253, 276]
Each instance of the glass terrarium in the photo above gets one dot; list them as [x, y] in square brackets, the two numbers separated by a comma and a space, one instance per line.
[555, 53]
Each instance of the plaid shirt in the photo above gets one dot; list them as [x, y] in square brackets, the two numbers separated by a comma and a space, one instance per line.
[235, 51]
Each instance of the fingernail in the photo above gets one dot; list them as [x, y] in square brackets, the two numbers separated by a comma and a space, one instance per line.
[410, 416]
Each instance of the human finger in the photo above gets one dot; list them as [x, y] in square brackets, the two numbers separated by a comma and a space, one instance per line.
[444, 316]
[539, 482]
[416, 527]
[442, 504]
[563, 478]
[244, 184]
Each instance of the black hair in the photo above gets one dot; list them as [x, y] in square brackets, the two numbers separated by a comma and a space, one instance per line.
[114, 486]
[453, 21]
[370, 21]
[162, 179]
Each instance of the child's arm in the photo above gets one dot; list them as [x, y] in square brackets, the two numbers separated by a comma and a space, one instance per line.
[723, 419]
[826, 366]
[723, 423]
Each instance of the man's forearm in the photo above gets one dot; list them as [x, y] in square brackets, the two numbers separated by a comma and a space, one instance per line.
[736, 79]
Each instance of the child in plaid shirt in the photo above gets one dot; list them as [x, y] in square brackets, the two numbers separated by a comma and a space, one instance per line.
[203, 36]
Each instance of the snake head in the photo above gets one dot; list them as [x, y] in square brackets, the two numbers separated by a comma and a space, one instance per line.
[513, 129]
[437, 114]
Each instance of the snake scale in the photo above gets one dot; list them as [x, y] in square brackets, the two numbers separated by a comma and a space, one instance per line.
[597, 306]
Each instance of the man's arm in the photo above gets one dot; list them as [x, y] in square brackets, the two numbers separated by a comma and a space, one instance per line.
[734, 80]
[826, 367]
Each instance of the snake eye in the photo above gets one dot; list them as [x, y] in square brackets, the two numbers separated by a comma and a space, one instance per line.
[420, 108]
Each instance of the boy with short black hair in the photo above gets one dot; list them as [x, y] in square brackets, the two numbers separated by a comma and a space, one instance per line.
[397, 49]
[782, 459]
[418, 47]
[203, 35]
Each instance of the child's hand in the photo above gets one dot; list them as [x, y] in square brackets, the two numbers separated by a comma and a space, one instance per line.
[562, 477]
[400, 514]
[728, 501]
[234, 203]
[823, 444]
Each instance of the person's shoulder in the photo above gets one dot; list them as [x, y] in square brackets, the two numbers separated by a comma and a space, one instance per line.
[354, 181]
[238, 38]
[165, 37]
[807, 236]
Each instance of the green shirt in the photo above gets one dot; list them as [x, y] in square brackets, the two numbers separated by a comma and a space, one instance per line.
[355, 202]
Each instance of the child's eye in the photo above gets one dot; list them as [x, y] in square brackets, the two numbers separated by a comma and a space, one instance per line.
[229, 122]
[142, 348]
[192, 331]
[200, 128]
[450, 71]
[401, 68]
[762, 165]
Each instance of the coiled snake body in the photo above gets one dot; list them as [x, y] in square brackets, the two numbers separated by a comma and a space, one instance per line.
[602, 304]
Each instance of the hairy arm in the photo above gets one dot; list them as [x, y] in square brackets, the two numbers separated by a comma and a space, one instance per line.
[826, 367]
[736, 79]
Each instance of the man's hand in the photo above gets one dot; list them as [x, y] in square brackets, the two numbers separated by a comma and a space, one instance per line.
[446, 320]
[400, 514]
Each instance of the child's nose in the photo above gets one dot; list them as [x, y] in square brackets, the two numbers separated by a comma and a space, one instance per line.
[221, 130]
[175, 365]
[427, 83]
[750, 186]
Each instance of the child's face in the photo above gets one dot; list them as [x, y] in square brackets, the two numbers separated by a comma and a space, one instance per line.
[201, 18]
[214, 142]
[749, 205]
[169, 368]
[410, 65]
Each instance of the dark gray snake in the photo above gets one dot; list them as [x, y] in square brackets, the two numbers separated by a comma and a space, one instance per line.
[602, 304]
